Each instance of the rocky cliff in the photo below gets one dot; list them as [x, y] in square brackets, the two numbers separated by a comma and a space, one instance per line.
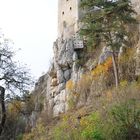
[63, 68]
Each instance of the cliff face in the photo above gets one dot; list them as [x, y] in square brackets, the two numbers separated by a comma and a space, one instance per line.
[65, 67]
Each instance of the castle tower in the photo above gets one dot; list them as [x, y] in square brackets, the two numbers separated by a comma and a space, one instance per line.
[68, 16]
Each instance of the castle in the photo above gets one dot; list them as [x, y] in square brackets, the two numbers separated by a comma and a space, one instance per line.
[69, 14]
[68, 17]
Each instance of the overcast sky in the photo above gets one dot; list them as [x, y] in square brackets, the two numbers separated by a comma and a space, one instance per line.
[32, 25]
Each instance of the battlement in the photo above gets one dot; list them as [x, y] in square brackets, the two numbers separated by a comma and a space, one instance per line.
[68, 17]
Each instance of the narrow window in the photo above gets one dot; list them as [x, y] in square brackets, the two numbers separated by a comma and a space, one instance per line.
[63, 13]
[70, 8]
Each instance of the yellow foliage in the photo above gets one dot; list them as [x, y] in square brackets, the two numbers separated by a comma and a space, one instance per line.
[128, 55]
[65, 118]
[75, 94]
[82, 112]
[123, 83]
[102, 68]
[85, 80]
[89, 123]
[70, 85]
[109, 96]
[84, 122]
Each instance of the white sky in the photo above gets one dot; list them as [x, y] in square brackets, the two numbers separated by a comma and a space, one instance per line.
[32, 25]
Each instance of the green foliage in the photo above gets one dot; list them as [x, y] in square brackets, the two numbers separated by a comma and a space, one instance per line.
[106, 21]
[124, 121]
[91, 130]
[116, 119]
[19, 137]
[72, 128]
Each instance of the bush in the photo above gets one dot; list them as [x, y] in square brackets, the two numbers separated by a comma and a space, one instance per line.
[124, 121]
[90, 127]
[127, 65]
[37, 133]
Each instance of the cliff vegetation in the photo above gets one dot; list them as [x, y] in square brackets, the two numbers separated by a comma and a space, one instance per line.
[91, 92]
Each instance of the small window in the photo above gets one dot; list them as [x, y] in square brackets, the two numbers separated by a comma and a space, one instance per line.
[70, 8]
[63, 13]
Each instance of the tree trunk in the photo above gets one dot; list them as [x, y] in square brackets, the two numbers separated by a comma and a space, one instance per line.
[3, 113]
[115, 69]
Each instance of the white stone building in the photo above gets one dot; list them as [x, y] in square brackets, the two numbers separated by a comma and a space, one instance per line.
[68, 17]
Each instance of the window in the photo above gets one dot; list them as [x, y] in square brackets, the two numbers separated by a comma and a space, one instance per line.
[63, 13]
[70, 8]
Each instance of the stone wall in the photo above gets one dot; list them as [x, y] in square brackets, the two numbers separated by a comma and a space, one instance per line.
[136, 5]
[68, 17]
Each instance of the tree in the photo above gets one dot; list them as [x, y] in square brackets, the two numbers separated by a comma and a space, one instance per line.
[13, 77]
[108, 21]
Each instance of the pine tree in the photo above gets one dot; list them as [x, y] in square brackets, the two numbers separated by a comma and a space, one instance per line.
[107, 21]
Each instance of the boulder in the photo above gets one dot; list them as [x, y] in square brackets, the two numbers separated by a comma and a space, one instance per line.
[60, 88]
[58, 109]
[106, 52]
[54, 82]
[60, 77]
[67, 74]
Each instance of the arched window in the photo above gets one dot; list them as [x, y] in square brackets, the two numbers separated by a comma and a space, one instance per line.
[70, 8]
[63, 13]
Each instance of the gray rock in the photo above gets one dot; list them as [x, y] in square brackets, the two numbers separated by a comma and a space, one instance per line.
[106, 52]
[75, 67]
[75, 56]
[53, 92]
[52, 71]
[60, 88]
[67, 74]
[65, 54]
[60, 98]
[60, 77]
[58, 109]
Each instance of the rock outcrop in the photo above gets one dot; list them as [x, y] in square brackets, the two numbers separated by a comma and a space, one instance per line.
[63, 68]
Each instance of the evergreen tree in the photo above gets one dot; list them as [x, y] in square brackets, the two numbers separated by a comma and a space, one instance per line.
[107, 21]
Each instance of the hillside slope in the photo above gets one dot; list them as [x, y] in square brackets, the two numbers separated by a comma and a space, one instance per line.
[80, 101]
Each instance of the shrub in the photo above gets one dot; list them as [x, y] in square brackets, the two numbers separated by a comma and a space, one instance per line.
[37, 133]
[127, 65]
[67, 129]
[83, 87]
[124, 121]
[90, 127]
[103, 68]
[73, 95]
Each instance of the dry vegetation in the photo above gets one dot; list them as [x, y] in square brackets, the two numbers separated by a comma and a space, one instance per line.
[98, 110]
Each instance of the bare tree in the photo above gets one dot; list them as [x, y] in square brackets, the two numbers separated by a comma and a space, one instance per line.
[13, 77]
